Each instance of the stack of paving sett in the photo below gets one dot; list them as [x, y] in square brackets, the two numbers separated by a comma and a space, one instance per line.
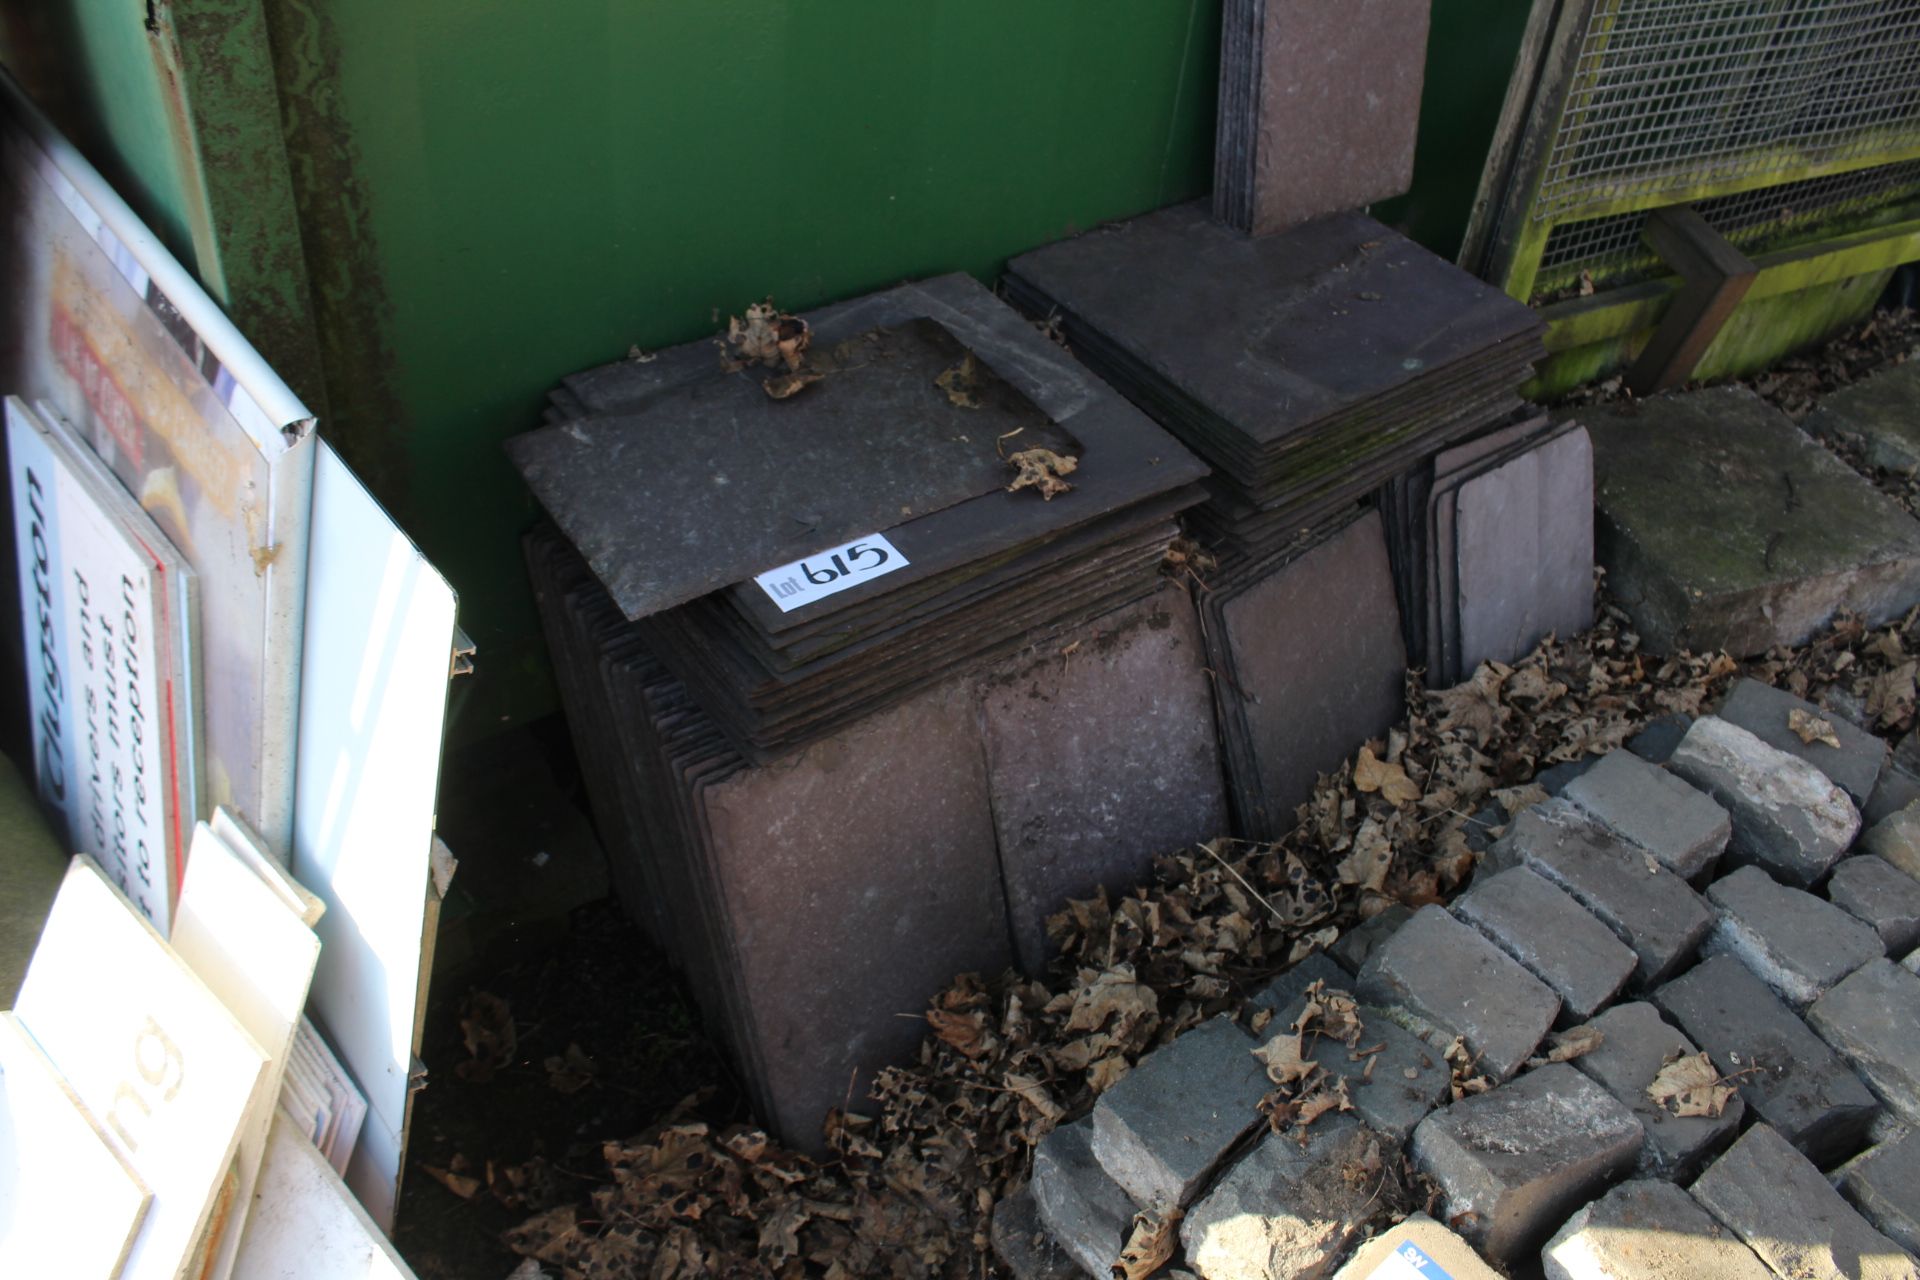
[1706, 890]
[825, 803]
[1310, 368]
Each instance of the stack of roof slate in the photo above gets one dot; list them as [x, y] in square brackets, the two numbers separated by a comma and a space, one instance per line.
[713, 513]
[1492, 545]
[1307, 367]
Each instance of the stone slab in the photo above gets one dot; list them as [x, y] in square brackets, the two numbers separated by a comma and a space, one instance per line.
[1879, 894]
[1289, 1207]
[1316, 117]
[1882, 411]
[1884, 1185]
[1652, 809]
[1101, 753]
[1873, 1018]
[1320, 665]
[1393, 1076]
[1775, 1200]
[1788, 818]
[1161, 1130]
[1444, 973]
[1796, 943]
[1523, 551]
[1648, 907]
[1022, 1243]
[1087, 1213]
[1657, 739]
[1512, 1164]
[1801, 1088]
[1648, 1230]
[1418, 1246]
[1897, 839]
[1353, 947]
[1554, 937]
[1636, 1042]
[1708, 547]
[1764, 711]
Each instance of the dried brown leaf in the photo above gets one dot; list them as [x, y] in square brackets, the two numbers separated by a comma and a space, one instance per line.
[1565, 1046]
[1283, 1059]
[1371, 858]
[1810, 728]
[1690, 1086]
[1041, 469]
[1390, 780]
[960, 382]
[1149, 1244]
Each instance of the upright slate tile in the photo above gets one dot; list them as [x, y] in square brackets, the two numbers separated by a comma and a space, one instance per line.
[1101, 754]
[840, 924]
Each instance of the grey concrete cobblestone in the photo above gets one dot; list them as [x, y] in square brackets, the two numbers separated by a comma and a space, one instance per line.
[1874, 891]
[1353, 947]
[1635, 1043]
[1775, 1200]
[1788, 817]
[1556, 939]
[1648, 907]
[1648, 1230]
[1393, 1077]
[1873, 1018]
[1786, 1074]
[1444, 973]
[1883, 1183]
[1652, 809]
[1087, 1212]
[1286, 1208]
[1024, 1245]
[1161, 1130]
[1513, 1163]
[1291, 985]
[1797, 944]
[1765, 712]
[1897, 839]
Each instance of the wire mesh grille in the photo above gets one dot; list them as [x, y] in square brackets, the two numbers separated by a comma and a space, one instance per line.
[1673, 94]
[1609, 249]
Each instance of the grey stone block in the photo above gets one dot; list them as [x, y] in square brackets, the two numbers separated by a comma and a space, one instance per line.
[1554, 937]
[1648, 907]
[1023, 1245]
[1163, 1128]
[1443, 973]
[1652, 809]
[1648, 1230]
[1764, 711]
[1873, 890]
[1873, 1018]
[1356, 944]
[1087, 1213]
[1658, 737]
[1100, 760]
[1880, 412]
[1289, 986]
[1788, 818]
[1801, 1087]
[1896, 790]
[1289, 1207]
[1418, 1246]
[1897, 839]
[1394, 1086]
[1707, 548]
[1770, 1196]
[1636, 1042]
[1884, 1185]
[1912, 963]
[1513, 1163]
[1556, 778]
[1796, 943]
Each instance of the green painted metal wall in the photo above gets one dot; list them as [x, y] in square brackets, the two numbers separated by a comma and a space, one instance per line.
[491, 193]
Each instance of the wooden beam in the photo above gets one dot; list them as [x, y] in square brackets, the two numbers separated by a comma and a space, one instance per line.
[1714, 276]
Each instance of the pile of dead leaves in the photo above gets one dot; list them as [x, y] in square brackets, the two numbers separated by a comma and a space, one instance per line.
[767, 336]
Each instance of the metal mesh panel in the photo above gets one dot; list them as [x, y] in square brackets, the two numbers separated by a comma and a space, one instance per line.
[1610, 251]
[1672, 94]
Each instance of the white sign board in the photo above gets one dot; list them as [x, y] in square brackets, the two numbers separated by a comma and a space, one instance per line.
[100, 604]
[156, 1058]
